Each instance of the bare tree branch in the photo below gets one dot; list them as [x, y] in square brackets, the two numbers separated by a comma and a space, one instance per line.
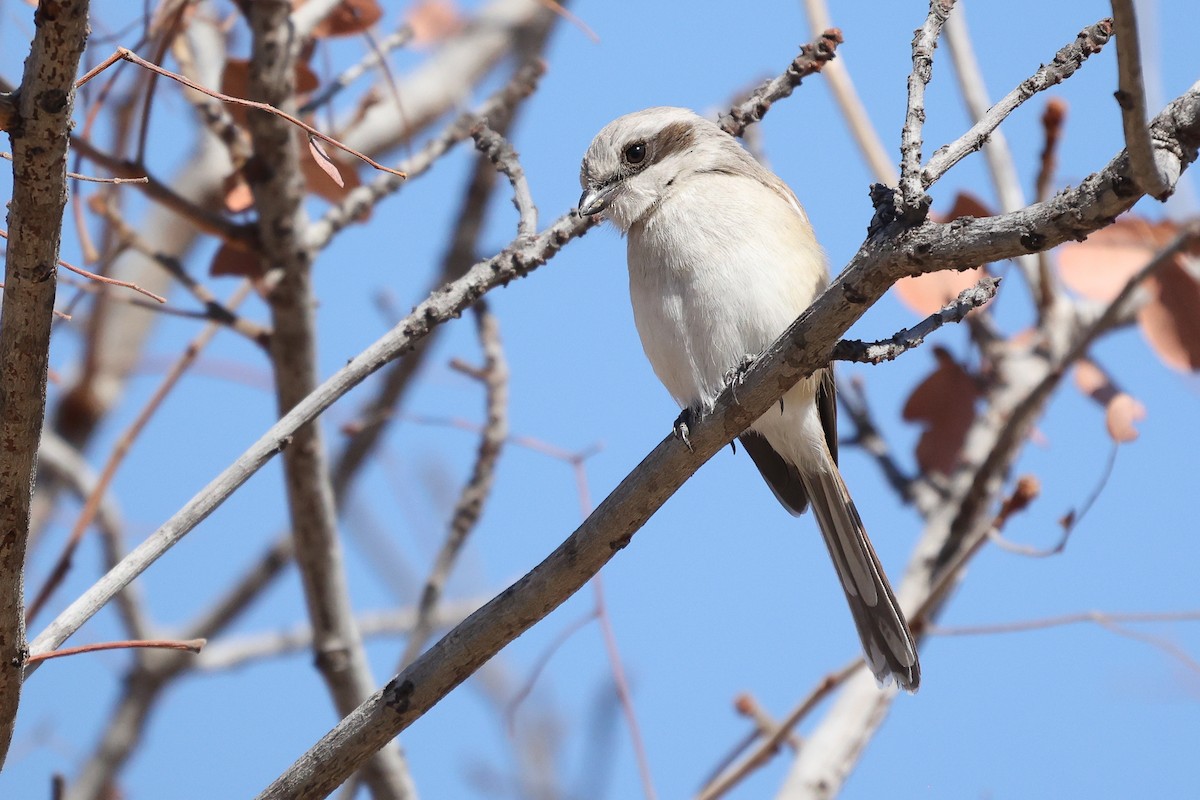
[911, 201]
[39, 143]
[274, 175]
[1131, 96]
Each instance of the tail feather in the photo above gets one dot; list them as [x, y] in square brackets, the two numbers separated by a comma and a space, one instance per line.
[886, 640]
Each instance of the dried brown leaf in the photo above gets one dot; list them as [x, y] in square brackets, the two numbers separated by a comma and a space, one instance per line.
[325, 162]
[1121, 410]
[238, 196]
[1100, 266]
[1171, 319]
[945, 403]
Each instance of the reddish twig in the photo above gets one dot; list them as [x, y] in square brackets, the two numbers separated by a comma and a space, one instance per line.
[103, 279]
[190, 645]
[127, 55]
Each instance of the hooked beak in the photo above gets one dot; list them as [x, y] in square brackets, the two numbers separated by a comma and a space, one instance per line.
[595, 200]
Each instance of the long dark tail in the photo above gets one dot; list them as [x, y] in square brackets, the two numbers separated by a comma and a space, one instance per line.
[886, 640]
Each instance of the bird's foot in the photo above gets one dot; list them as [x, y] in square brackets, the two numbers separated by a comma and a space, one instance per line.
[682, 426]
[737, 376]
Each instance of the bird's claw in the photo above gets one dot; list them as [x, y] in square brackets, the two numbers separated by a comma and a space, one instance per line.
[682, 427]
[737, 376]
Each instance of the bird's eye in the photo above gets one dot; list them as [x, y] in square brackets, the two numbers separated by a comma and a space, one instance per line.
[635, 153]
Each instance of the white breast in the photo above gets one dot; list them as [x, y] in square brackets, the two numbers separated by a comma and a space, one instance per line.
[717, 272]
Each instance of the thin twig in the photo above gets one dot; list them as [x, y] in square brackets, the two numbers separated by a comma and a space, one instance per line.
[912, 204]
[749, 707]
[1022, 626]
[91, 178]
[720, 785]
[502, 155]
[239, 651]
[1066, 61]
[103, 278]
[868, 436]
[494, 376]
[402, 36]
[1131, 97]
[888, 349]
[1052, 124]
[127, 55]
[191, 646]
[812, 58]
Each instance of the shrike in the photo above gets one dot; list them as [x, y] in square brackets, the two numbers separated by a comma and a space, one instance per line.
[722, 259]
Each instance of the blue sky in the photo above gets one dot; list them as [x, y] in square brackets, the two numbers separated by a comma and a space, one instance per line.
[722, 592]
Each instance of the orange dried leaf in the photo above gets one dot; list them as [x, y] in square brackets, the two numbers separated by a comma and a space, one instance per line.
[349, 18]
[1171, 319]
[306, 80]
[320, 182]
[434, 20]
[1123, 410]
[945, 403]
[325, 162]
[238, 196]
[1100, 266]
[965, 205]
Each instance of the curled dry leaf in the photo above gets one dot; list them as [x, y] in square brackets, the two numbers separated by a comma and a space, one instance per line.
[325, 162]
[434, 20]
[1099, 268]
[329, 176]
[925, 294]
[945, 403]
[1121, 410]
